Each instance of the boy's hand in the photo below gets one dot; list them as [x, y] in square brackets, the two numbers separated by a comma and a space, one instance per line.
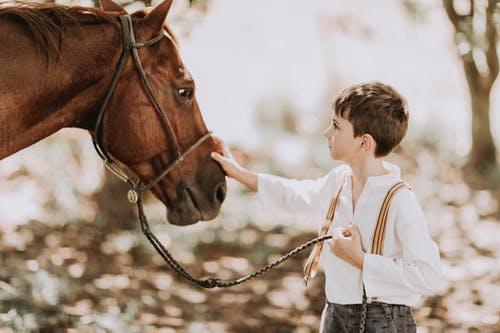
[226, 160]
[347, 246]
[232, 168]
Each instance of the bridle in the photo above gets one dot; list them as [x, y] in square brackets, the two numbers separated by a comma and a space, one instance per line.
[134, 195]
[130, 47]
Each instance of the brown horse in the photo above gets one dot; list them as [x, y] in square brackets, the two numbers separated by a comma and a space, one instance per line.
[56, 65]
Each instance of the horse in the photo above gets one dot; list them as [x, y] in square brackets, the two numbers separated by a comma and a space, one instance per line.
[68, 67]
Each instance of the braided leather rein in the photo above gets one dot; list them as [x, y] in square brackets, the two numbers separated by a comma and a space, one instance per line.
[134, 195]
[212, 282]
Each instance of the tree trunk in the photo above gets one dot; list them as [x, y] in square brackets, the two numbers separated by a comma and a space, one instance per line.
[483, 152]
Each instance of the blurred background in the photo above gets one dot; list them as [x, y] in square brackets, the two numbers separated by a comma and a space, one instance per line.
[72, 258]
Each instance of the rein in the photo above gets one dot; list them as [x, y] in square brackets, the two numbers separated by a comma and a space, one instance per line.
[134, 195]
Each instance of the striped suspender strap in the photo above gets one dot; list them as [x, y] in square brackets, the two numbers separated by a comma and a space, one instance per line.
[311, 266]
[378, 239]
[379, 233]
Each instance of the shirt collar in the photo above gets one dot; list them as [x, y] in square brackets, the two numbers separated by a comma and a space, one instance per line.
[382, 182]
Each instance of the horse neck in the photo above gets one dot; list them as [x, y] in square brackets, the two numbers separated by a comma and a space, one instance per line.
[42, 95]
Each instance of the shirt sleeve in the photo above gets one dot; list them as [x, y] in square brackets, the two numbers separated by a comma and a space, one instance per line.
[419, 269]
[278, 194]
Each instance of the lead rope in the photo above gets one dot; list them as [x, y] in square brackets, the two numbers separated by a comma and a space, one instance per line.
[211, 282]
[364, 310]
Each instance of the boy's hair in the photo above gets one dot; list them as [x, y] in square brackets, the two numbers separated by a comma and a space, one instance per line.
[377, 109]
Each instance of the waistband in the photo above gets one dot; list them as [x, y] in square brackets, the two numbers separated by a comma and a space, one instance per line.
[378, 307]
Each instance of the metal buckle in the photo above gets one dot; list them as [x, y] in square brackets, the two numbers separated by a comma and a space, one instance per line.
[116, 170]
[132, 196]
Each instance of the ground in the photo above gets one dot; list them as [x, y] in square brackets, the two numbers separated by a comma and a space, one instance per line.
[81, 277]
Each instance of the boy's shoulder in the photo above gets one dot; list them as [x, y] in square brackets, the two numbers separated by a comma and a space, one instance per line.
[407, 205]
[337, 175]
[342, 170]
[406, 195]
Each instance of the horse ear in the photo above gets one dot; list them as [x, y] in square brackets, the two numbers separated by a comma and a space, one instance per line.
[110, 6]
[153, 22]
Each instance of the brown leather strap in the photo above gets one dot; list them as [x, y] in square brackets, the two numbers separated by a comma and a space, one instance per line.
[312, 263]
[311, 266]
[378, 240]
[379, 233]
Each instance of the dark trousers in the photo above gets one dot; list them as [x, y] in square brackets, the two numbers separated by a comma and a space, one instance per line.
[380, 318]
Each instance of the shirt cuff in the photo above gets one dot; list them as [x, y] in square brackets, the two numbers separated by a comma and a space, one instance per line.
[374, 273]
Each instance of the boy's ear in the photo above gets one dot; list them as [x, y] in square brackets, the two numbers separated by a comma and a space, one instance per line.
[367, 143]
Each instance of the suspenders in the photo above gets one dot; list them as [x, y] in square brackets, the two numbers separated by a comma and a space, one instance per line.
[311, 266]
[378, 241]
[379, 234]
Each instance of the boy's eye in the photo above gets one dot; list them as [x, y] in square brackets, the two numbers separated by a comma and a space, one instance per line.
[335, 126]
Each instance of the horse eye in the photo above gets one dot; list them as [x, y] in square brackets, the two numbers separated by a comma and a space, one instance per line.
[185, 93]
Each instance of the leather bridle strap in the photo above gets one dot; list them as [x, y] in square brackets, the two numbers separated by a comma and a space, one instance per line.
[109, 161]
[130, 47]
[135, 56]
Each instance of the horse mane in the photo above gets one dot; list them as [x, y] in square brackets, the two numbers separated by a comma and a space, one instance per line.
[48, 23]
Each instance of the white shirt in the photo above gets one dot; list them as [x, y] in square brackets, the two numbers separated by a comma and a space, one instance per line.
[410, 265]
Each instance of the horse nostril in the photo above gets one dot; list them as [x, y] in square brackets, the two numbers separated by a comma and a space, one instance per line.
[220, 192]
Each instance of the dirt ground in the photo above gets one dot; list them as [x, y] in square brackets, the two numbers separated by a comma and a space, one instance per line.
[80, 277]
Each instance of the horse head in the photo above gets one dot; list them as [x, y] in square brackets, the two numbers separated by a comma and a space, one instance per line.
[135, 134]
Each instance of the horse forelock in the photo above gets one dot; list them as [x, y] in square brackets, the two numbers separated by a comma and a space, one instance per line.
[48, 23]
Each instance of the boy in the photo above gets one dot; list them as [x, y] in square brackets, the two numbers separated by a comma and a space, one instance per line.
[368, 122]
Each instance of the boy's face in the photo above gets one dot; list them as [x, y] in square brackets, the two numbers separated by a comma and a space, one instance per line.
[341, 141]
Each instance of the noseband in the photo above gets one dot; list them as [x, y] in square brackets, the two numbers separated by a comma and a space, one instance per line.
[134, 195]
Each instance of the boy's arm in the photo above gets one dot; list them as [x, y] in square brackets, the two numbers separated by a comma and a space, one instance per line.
[418, 271]
[275, 193]
[234, 170]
